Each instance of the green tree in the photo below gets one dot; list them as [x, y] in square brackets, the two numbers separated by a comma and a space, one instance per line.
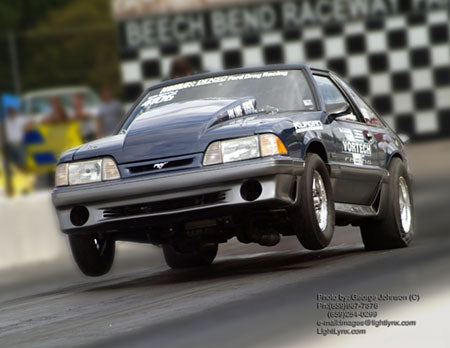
[75, 44]
[18, 16]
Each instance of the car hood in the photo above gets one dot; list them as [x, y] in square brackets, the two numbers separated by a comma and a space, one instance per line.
[178, 129]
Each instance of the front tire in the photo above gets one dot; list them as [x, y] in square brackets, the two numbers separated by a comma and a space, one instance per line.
[203, 256]
[93, 255]
[313, 216]
[395, 226]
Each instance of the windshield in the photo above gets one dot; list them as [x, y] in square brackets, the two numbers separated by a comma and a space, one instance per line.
[274, 91]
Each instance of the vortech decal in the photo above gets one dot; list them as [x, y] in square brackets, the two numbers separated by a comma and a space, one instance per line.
[357, 147]
[348, 134]
[358, 134]
[306, 126]
[358, 159]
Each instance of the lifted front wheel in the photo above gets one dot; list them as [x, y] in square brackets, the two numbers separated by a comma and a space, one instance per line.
[94, 255]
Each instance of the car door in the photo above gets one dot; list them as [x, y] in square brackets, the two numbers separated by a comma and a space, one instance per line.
[356, 160]
[375, 124]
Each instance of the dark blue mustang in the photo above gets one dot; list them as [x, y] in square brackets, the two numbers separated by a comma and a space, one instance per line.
[247, 153]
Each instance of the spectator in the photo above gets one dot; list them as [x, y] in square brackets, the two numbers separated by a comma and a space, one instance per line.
[80, 114]
[181, 67]
[110, 114]
[15, 131]
[57, 113]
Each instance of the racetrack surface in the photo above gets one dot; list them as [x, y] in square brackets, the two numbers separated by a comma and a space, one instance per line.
[251, 296]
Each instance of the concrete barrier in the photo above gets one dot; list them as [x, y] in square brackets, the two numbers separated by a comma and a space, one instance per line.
[29, 231]
[29, 234]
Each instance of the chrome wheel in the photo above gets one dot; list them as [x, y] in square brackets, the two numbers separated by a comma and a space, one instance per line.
[405, 204]
[320, 200]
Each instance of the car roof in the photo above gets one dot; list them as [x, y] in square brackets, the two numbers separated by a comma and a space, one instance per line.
[321, 70]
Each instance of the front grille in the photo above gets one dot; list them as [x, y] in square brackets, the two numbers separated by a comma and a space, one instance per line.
[161, 165]
[138, 169]
[164, 206]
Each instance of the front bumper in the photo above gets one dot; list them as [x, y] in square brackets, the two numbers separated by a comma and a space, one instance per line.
[157, 199]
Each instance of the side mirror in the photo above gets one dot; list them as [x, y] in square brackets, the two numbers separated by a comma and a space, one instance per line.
[403, 137]
[338, 109]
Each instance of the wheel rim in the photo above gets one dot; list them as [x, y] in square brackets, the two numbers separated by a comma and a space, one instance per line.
[404, 204]
[320, 200]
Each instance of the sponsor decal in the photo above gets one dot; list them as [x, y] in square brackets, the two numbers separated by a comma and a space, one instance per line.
[348, 134]
[353, 134]
[246, 108]
[358, 134]
[226, 78]
[307, 102]
[305, 126]
[158, 99]
[357, 147]
[357, 159]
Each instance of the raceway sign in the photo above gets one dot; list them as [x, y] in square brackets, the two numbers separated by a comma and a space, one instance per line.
[256, 18]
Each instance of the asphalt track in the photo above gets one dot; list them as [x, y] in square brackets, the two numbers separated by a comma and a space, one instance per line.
[251, 296]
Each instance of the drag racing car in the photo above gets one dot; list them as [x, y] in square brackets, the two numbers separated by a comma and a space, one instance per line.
[254, 154]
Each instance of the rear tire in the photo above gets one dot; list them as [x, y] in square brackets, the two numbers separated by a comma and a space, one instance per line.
[313, 216]
[394, 228]
[94, 256]
[204, 256]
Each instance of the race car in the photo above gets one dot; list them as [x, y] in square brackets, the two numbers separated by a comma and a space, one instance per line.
[254, 154]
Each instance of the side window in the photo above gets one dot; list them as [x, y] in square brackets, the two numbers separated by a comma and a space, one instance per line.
[330, 92]
[370, 117]
[332, 95]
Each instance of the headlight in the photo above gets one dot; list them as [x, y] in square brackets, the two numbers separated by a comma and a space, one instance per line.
[85, 172]
[240, 149]
[243, 148]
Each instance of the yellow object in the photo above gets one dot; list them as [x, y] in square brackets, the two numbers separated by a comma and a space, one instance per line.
[44, 145]
[22, 183]
[47, 143]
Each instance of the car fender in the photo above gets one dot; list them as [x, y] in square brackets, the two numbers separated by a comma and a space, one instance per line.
[310, 140]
